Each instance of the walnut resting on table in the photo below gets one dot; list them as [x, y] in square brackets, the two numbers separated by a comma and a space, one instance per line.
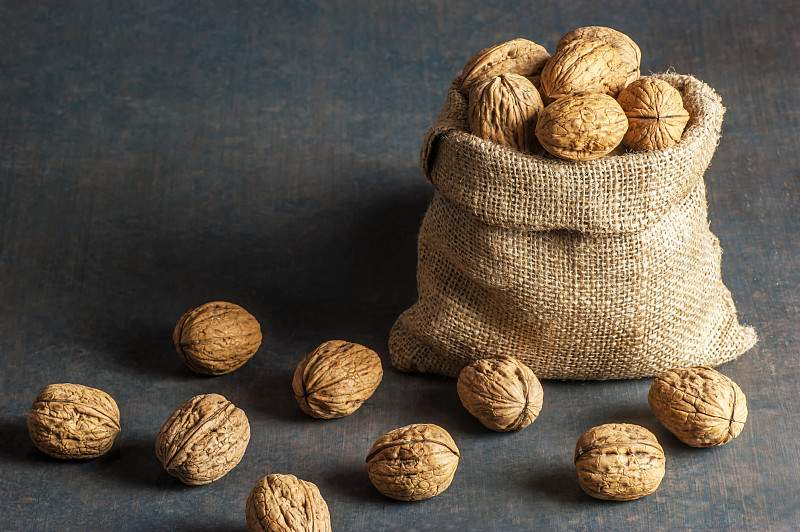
[73, 421]
[285, 503]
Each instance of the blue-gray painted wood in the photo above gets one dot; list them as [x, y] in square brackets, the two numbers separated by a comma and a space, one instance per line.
[158, 155]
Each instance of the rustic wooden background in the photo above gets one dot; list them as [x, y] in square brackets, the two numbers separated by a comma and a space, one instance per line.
[156, 155]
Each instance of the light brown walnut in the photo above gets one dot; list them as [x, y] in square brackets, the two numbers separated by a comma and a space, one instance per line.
[285, 503]
[336, 378]
[582, 127]
[217, 337]
[628, 51]
[73, 421]
[203, 439]
[699, 405]
[656, 116]
[619, 462]
[518, 56]
[584, 65]
[502, 392]
[504, 109]
[413, 463]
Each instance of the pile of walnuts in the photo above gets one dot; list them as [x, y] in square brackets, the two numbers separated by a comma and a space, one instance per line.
[582, 103]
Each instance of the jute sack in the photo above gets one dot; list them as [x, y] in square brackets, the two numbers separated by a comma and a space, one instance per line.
[595, 270]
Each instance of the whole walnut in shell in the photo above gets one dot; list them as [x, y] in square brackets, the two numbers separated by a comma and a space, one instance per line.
[73, 421]
[628, 51]
[502, 392]
[656, 116]
[203, 439]
[414, 462]
[584, 65]
[504, 109]
[217, 337]
[699, 405]
[285, 503]
[582, 127]
[518, 56]
[619, 462]
[336, 378]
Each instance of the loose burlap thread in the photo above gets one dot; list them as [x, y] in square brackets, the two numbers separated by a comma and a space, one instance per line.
[595, 270]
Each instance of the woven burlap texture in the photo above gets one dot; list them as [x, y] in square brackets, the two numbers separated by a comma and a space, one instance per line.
[594, 270]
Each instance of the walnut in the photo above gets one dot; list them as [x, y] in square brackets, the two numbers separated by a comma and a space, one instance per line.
[699, 405]
[203, 439]
[655, 112]
[619, 462]
[413, 463]
[502, 392]
[582, 127]
[284, 503]
[216, 338]
[584, 65]
[336, 378]
[504, 109]
[519, 56]
[73, 421]
[628, 51]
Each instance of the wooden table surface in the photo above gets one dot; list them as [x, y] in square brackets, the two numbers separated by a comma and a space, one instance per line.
[158, 155]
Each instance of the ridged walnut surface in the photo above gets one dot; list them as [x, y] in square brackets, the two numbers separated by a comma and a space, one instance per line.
[73, 421]
[502, 392]
[413, 463]
[285, 503]
[336, 378]
[628, 51]
[585, 65]
[699, 405]
[203, 439]
[504, 109]
[619, 462]
[656, 116]
[217, 338]
[518, 56]
[582, 127]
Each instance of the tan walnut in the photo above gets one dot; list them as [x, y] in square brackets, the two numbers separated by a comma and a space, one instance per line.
[582, 127]
[203, 439]
[619, 462]
[217, 337]
[656, 116]
[414, 462]
[584, 65]
[504, 109]
[285, 503]
[336, 378]
[518, 56]
[73, 421]
[699, 405]
[502, 392]
[628, 51]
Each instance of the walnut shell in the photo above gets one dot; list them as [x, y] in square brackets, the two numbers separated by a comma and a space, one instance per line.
[203, 439]
[619, 462]
[519, 56]
[413, 463]
[502, 392]
[504, 109]
[584, 65]
[628, 51]
[656, 116]
[285, 503]
[582, 127]
[217, 337]
[699, 405]
[73, 421]
[336, 378]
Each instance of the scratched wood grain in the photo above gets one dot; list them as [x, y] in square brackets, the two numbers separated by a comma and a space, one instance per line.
[158, 155]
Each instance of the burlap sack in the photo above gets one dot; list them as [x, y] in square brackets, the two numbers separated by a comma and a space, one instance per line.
[594, 270]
